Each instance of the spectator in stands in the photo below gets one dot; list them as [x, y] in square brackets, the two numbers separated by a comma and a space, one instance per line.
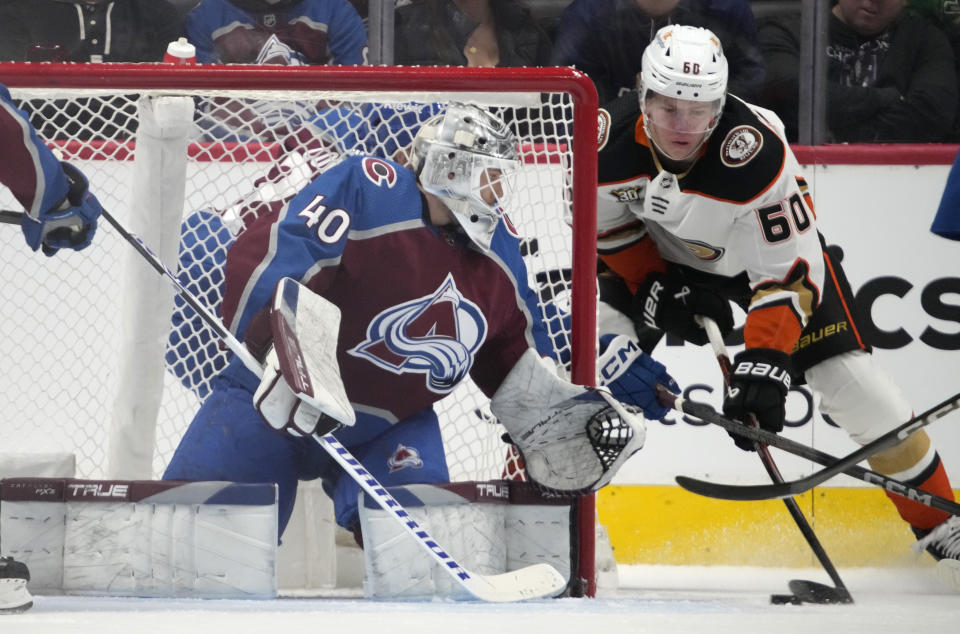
[946, 15]
[87, 30]
[606, 39]
[468, 33]
[891, 75]
[288, 32]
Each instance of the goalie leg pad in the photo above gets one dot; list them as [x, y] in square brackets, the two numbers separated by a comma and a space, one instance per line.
[490, 527]
[573, 439]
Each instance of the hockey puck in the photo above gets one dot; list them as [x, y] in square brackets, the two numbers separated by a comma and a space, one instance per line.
[785, 599]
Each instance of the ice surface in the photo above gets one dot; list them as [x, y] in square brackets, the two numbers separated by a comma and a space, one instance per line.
[651, 599]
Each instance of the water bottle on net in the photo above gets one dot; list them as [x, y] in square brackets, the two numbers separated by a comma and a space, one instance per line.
[181, 53]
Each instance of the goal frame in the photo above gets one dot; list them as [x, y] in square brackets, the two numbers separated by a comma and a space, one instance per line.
[142, 77]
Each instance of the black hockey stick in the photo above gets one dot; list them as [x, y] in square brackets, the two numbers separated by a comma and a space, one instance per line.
[803, 590]
[721, 491]
[834, 466]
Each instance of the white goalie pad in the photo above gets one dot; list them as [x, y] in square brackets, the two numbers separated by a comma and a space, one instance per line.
[572, 439]
[305, 327]
[142, 538]
[489, 527]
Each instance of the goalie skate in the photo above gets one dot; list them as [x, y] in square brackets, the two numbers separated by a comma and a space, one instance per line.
[14, 596]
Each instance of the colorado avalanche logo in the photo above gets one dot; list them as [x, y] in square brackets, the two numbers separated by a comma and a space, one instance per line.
[435, 335]
[404, 457]
[379, 172]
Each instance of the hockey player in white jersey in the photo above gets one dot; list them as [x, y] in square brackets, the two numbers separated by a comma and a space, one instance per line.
[702, 202]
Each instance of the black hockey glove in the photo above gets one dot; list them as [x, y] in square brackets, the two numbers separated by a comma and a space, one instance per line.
[759, 382]
[667, 303]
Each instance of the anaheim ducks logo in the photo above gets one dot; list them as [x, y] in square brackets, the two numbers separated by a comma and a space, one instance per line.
[704, 251]
[603, 128]
[740, 146]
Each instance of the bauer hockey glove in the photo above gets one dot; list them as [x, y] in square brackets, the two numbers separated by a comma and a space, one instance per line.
[666, 302]
[68, 225]
[632, 376]
[282, 409]
[759, 383]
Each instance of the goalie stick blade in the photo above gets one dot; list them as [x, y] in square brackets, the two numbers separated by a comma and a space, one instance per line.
[813, 592]
[533, 582]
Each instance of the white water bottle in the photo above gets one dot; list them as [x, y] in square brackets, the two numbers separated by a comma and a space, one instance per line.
[181, 53]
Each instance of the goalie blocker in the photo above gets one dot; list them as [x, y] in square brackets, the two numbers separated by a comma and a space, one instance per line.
[492, 527]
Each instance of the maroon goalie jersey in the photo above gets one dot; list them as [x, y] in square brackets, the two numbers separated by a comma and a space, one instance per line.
[421, 307]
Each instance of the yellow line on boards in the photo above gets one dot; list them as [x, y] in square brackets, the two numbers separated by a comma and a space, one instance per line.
[667, 525]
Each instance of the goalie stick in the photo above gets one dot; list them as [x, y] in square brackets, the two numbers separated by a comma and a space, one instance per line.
[530, 582]
[804, 590]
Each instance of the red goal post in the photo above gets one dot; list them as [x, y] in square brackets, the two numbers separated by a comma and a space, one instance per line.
[174, 153]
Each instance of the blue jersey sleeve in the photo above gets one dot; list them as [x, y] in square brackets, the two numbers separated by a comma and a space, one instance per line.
[348, 37]
[546, 327]
[27, 166]
[947, 221]
[310, 233]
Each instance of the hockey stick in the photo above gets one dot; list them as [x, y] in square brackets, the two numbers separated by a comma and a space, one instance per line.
[538, 580]
[804, 590]
[747, 493]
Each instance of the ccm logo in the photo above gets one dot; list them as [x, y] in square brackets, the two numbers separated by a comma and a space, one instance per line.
[98, 490]
[620, 359]
[763, 370]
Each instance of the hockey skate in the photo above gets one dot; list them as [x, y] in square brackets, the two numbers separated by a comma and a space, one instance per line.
[943, 544]
[14, 596]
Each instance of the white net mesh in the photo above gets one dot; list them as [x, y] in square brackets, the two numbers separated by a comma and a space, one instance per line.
[65, 335]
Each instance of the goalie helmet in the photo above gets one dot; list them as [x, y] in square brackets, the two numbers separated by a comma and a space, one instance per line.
[682, 85]
[461, 155]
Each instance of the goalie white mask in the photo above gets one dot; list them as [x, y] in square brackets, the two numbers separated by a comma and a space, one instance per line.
[465, 156]
[683, 87]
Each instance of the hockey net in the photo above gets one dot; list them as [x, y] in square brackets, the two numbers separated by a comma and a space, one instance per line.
[105, 363]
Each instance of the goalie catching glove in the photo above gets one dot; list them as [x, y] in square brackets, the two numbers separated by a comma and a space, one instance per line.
[573, 439]
[301, 391]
